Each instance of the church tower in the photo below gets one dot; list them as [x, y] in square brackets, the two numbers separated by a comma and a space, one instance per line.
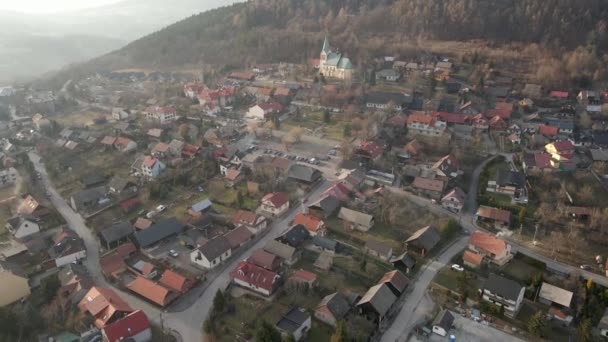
[325, 51]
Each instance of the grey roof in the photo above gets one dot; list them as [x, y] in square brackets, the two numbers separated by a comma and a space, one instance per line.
[70, 244]
[70, 271]
[303, 173]
[356, 217]
[426, 238]
[378, 246]
[503, 287]
[380, 297]
[295, 236]
[293, 320]
[92, 179]
[337, 304]
[387, 73]
[215, 247]
[555, 294]
[202, 205]
[328, 204]
[404, 258]
[599, 154]
[324, 243]
[280, 249]
[513, 178]
[117, 232]
[378, 97]
[444, 320]
[88, 195]
[15, 221]
[157, 232]
[118, 183]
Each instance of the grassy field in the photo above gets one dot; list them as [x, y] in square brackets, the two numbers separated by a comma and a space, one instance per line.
[78, 119]
[523, 268]
[449, 278]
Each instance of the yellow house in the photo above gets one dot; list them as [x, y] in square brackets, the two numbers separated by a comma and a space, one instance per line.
[13, 287]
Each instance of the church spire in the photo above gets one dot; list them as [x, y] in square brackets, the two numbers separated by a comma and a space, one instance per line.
[326, 48]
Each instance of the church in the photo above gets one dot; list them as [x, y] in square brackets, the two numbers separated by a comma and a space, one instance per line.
[333, 64]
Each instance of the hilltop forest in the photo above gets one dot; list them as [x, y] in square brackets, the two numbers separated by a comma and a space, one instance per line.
[566, 36]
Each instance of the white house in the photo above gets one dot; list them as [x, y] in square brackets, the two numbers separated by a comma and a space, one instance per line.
[255, 278]
[252, 221]
[454, 200]
[163, 115]
[212, 254]
[21, 227]
[8, 177]
[443, 323]
[119, 114]
[425, 125]
[490, 247]
[275, 204]
[68, 247]
[504, 292]
[263, 110]
[152, 167]
[296, 323]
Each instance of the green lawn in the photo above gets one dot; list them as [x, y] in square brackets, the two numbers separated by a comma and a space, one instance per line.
[522, 269]
[449, 278]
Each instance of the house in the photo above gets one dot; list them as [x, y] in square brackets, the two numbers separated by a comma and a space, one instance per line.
[112, 265]
[452, 119]
[369, 150]
[116, 234]
[92, 180]
[152, 167]
[559, 300]
[324, 207]
[118, 185]
[104, 305]
[454, 200]
[324, 261]
[396, 282]
[356, 220]
[125, 145]
[242, 76]
[560, 95]
[199, 208]
[304, 174]
[404, 262]
[212, 253]
[497, 217]
[14, 284]
[533, 91]
[497, 124]
[163, 115]
[472, 259]
[384, 100]
[432, 188]
[31, 207]
[560, 150]
[142, 223]
[233, 177]
[425, 125]
[376, 302]
[275, 204]
[510, 183]
[67, 247]
[75, 283]
[166, 228]
[152, 291]
[313, 224]
[252, 221]
[108, 141]
[143, 268]
[303, 277]
[324, 244]
[447, 166]
[378, 249]
[503, 292]
[548, 131]
[389, 75]
[295, 236]
[502, 110]
[264, 110]
[21, 227]
[295, 323]
[490, 247]
[176, 282]
[238, 237]
[265, 259]
[539, 161]
[443, 323]
[333, 308]
[119, 114]
[133, 327]
[333, 64]
[283, 251]
[423, 240]
[255, 278]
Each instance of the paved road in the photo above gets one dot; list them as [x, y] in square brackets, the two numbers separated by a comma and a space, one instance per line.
[187, 323]
[411, 314]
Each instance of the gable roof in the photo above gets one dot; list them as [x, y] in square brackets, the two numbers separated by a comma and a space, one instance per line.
[112, 263]
[547, 130]
[396, 279]
[494, 214]
[117, 232]
[215, 247]
[445, 319]
[277, 199]
[456, 193]
[355, 217]
[380, 297]
[293, 320]
[264, 259]
[150, 290]
[337, 304]
[295, 236]
[131, 325]
[254, 275]
[503, 287]
[245, 217]
[279, 249]
[310, 222]
[102, 303]
[428, 184]
[472, 258]
[202, 205]
[426, 237]
[142, 223]
[281, 163]
[562, 145]
[325, 243]
[175, 281]
[328, 204]
[238, 236]
[513, 178]
[555, 294]
[378, 246]
[157, 232]
[303, 173]
[487, 243]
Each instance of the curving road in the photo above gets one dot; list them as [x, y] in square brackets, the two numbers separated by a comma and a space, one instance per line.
[187, 323]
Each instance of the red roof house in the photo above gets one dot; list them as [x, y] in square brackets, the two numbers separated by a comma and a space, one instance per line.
[548, 131]
[135, 326]
[255, 278]
[176, 282]
[370, 150]
[559, 94]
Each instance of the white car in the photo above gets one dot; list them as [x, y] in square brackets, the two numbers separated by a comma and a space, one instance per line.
[161, 208]
[173, 253]
[151, 214]
[458, 268]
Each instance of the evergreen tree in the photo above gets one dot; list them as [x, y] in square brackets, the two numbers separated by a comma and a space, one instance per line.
[537, 323]
[219, 302]
[267, 333]
[239, 199]
[326, 116]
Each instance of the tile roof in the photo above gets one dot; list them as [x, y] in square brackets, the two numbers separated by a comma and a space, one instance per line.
[108, 140]
[451, 118]
[494, 214]
[304, 275]
[142, 223]
[244, 217]
[264, 259]
[281, 163]
[126, 249]
[559, 94]
[255, 275]
[547, 130]
[175, 281]
[161, 147]
[378, 246]
[233, 174]
[277, 199]
[371, 149]
[311, 222]
[456, 193]
[428, 184]
[129, 326]
[103, 303]
[150, 290]
[421, 118]
[472, 258]
[487, 242]
[215, 247]
[238, 236]
[563, 145]
[396, 279]
[155, 132]
[112, 263]
[149, 161]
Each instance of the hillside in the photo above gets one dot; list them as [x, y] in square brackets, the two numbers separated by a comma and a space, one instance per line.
[289, 30]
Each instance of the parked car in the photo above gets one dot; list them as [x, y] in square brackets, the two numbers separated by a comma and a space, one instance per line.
[161, 208]
[586, 267]
[457, 268]
[173, 253]
[151, 214]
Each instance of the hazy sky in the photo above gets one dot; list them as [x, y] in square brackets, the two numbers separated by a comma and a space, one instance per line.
[48, 6]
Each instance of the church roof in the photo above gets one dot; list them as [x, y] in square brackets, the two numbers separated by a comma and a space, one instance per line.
[326, 48]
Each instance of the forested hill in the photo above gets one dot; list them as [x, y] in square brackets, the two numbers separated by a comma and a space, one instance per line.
[291, 30]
